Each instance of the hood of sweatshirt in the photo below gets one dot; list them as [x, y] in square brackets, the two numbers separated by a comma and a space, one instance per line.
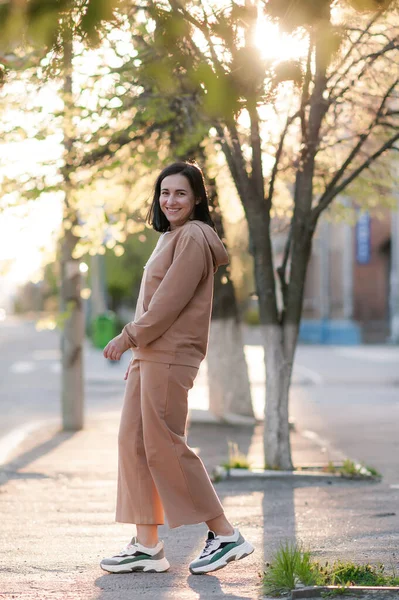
[219, 254]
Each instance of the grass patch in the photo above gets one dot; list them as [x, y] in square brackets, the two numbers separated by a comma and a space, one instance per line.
[236, 460]
[352, 470]
[291, 566]
[349, 573]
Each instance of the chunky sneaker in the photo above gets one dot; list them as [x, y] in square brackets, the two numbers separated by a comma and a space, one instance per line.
[135, 557]
[220, 550]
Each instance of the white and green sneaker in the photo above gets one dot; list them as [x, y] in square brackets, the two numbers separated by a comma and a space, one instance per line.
[135, 557]
[220, 550]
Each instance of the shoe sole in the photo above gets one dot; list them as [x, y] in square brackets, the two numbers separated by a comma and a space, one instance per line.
[237, 553]
[144, 566]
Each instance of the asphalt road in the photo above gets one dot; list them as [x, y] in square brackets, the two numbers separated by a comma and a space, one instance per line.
[30, 377]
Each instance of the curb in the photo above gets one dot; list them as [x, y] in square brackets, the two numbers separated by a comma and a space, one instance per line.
[10, 442]
[357, 590]
[221, 473]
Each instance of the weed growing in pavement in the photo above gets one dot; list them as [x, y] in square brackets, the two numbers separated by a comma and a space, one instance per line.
[236, 460]
[349, 573]
[270, 468]
[291, 566]
[352, 470]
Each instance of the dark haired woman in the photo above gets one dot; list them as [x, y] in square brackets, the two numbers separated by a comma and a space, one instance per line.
[158, 473]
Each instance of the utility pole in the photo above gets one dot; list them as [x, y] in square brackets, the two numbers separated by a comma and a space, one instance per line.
[394, 277]
[72, 337]
[347, 268]
[325, 303]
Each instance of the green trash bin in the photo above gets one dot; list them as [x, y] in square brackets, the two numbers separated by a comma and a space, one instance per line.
[103, 329]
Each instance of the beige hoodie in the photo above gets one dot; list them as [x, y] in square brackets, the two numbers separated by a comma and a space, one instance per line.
[174, 306]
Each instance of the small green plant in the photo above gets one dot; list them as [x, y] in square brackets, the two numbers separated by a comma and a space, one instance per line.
[373, 472]
[251, 316]
[352, 469]
[236, 460]
[330, 468]
[349, 573]
[290, 565]
[270, 468]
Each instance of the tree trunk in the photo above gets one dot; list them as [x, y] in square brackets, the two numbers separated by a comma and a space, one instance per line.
[228, 380]
[279, 348]
[71, 305]
[72, 337]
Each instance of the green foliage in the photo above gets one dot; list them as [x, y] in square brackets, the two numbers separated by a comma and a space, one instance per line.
[352, 469]
[237, 460]
[291, 565]
[39, 22]
[348, 573]
[124, 273]
[251, 316]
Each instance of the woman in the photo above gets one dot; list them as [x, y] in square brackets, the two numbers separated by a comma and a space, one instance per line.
[158, 473]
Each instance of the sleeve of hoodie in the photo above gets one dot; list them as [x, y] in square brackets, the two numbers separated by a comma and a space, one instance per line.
[172, 295]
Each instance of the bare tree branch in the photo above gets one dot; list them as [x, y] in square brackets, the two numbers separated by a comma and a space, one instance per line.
[355, 150]
[119, 139]
[256, 163]
[279, 152]
[368, 60]
[204, 29]
[237, 169]
[354, 45]
[281, 270]
[305, 89]
[327, 198]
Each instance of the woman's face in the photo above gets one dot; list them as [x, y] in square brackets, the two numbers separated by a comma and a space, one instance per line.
[176, 199]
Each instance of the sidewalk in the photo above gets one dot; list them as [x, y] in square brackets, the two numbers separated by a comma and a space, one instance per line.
[57, 501]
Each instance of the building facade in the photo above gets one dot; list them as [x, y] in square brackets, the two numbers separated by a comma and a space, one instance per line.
[352, 282]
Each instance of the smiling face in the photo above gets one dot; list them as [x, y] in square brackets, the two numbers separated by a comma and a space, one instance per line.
[177, 199]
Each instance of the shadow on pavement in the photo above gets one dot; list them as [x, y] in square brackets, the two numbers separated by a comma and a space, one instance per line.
[11, 469]
[208, 586]
[212, 441]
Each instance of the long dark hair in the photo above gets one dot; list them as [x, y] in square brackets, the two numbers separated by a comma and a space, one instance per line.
[193, 173]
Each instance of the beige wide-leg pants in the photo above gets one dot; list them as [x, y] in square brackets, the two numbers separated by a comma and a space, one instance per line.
[157, 471]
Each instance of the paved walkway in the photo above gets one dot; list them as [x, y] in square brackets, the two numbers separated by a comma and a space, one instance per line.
[57, 500]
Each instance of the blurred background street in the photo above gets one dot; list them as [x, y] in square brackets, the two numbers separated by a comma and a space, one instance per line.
[346, 397]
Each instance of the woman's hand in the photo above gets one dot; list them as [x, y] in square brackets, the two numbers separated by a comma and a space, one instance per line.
[128, 370]
[115, 348]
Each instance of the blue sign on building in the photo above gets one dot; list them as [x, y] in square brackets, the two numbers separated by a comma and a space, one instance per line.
[363, 239]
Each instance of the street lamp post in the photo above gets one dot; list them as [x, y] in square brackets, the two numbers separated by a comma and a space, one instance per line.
[394, 277]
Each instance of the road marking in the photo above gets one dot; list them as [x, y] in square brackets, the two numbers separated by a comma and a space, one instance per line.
[15, 437]
[22, 367]
[324, 444]
[370, 354]
[46, 355]
[394, 486]
[314, 376]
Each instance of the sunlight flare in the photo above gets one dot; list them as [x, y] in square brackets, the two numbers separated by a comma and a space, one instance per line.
[279, 46]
